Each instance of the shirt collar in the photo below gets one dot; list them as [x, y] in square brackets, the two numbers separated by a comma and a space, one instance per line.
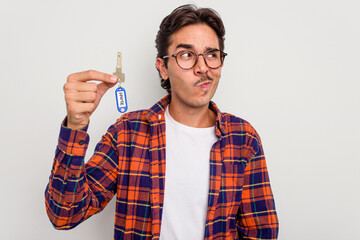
[156, 114]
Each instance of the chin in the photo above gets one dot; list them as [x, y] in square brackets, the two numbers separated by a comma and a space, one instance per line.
[194, 99]
[200, 102]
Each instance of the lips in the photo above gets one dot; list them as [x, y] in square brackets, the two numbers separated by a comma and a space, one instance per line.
[204, 82]
[204, 85]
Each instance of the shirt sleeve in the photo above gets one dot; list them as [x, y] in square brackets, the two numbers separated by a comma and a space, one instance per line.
[77, 190]
[257, 218]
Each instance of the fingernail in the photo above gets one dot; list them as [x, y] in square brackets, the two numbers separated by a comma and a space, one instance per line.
[113, 78]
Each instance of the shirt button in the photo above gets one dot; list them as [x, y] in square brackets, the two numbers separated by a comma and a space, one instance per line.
[81, 142]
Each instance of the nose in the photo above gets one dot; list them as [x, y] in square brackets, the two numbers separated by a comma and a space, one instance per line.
[200, 66]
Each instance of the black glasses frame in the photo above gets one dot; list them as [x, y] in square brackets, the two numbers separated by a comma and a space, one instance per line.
[222, 57]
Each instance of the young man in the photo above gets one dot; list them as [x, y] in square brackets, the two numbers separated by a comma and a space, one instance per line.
[181, 169]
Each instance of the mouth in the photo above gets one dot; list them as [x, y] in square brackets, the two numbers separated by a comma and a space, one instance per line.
[204, 85]
[204, 82]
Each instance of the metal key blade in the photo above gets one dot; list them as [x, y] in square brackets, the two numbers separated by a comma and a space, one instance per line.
[119, 73]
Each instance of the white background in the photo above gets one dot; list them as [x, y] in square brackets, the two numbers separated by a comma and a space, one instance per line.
[292, 71]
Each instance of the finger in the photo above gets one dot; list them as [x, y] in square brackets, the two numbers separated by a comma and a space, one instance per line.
[88, 97]
[80, 87]
[92, 75]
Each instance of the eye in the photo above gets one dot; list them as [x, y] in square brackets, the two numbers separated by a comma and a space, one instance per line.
[185, 55]
[212, 55]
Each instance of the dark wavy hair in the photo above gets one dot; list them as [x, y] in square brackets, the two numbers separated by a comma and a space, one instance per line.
[183, 16]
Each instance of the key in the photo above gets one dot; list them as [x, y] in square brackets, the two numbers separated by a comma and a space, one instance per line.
[120, 93]
[119, 73]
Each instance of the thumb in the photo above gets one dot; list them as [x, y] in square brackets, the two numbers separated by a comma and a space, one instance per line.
[101, 90]
[103, 87]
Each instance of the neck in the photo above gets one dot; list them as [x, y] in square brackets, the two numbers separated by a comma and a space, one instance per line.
[199, 117]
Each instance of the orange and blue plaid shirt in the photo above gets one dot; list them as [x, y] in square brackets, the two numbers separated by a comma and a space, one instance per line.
[129, 161]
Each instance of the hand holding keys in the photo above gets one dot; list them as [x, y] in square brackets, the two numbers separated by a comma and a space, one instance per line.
[82, 96]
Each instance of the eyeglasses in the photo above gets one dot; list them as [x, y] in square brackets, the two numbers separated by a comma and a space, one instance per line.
[187, 59]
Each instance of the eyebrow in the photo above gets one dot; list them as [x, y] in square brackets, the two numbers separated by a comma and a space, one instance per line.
[190, 46]
[184, 45]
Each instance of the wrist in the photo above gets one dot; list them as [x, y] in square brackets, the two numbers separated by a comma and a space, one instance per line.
[68, 124]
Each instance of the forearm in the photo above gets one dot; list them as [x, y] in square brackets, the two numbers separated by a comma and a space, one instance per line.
[67, 195]
[77, 190]
[257, 218]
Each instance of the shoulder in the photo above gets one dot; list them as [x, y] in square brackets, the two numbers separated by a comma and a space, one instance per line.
[234, 123]
[231, 124]
[240, 128]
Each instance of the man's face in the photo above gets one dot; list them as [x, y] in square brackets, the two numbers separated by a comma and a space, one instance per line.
[195, 87]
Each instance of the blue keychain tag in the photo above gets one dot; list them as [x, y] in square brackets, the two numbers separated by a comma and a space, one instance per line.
[121, 101]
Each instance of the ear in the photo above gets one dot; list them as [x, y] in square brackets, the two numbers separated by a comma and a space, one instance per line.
[160, 65]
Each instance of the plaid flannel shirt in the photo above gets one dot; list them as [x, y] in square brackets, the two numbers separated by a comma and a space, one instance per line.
[130, 161]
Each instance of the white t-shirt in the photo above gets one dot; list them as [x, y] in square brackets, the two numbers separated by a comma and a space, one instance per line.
[186, 180]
